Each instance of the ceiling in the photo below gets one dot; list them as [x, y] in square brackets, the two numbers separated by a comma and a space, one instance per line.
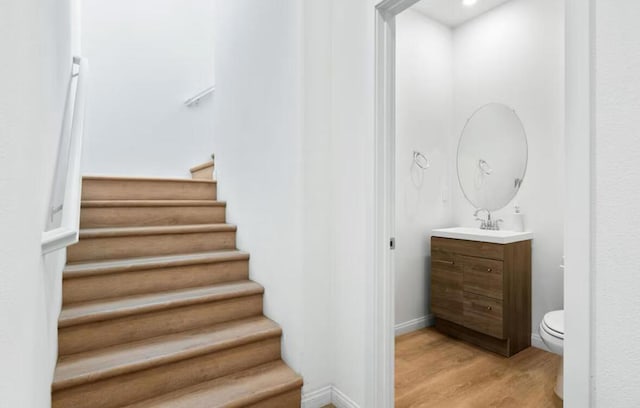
[452, 12]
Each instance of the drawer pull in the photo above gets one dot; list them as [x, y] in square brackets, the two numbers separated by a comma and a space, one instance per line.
[489, 270]
[489, 308]
[444, 262]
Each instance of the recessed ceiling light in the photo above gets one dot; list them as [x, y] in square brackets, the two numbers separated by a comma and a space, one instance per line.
[469, 3]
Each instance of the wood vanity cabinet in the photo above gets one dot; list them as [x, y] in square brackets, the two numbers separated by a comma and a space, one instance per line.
[481, 292]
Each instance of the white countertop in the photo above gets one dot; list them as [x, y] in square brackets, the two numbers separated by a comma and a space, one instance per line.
[476, 234]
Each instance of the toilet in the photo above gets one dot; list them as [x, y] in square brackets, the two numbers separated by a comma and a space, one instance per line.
[552, 334]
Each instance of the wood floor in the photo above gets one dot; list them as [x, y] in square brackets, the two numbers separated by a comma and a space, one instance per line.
[433, 370]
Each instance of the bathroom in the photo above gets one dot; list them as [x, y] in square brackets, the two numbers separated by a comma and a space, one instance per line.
[459, 65]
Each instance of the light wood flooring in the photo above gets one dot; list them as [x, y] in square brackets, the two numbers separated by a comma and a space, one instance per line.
[433, 370]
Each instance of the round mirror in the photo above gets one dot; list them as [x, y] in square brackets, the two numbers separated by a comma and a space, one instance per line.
[492, 157]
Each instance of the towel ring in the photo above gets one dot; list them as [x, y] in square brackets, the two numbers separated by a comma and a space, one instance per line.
[485, 168]
[421, 160]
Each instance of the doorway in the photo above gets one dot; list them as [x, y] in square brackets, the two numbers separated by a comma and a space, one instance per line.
[577, 193]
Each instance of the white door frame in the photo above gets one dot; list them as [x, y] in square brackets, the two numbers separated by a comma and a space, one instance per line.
[579, 273]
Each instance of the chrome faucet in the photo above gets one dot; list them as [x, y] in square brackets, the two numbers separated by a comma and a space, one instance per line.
[483, 222]
[488, 224]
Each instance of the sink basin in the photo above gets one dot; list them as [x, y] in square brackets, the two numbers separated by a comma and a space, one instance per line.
[477, 234]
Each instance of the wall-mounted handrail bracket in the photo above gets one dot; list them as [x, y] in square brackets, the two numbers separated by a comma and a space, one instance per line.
[195, 100]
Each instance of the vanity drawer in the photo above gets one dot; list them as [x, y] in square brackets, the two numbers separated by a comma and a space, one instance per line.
[483, 314]
[443, 260]
[446, 293]
[482, 276]
[470, 248]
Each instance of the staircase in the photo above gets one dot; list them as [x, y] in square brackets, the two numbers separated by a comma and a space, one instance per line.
[158, 310]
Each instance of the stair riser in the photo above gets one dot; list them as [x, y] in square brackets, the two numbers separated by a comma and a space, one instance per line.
[154, 280]
[127, 389]
[108, 189]
[105, 217]
[91, 336]
[291, 399]
[94, 249]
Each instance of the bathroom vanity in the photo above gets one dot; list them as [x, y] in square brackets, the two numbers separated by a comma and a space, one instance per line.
[481, 287]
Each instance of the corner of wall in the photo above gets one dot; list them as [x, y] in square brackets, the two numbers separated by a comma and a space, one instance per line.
[329, 394]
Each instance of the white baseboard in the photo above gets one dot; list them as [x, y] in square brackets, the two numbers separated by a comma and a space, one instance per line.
[318, 398]
[325, 396]
[340, 400]
[415, 324]
[536, 341]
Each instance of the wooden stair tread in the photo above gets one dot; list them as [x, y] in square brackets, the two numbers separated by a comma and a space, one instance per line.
[142, 178]
[152, 203]
[87, 312]
[202, 166]
[153, 230]
[203, 171]
[147, 188]
[157, 308]
[236, 390]
[84, 269]
[76, 369]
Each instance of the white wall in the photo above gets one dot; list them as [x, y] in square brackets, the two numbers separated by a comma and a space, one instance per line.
[351, 171]
[289, 155]
[35, 39]
[579, 221]
[514, 55]
[616, 303]
[424, 121]
[258, 145]
[147, 59]
[293, 163]
[318, 228]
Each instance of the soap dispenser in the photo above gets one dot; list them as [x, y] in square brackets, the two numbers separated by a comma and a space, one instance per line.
[518, 219]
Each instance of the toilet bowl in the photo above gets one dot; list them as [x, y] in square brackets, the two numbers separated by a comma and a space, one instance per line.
[552, 334]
